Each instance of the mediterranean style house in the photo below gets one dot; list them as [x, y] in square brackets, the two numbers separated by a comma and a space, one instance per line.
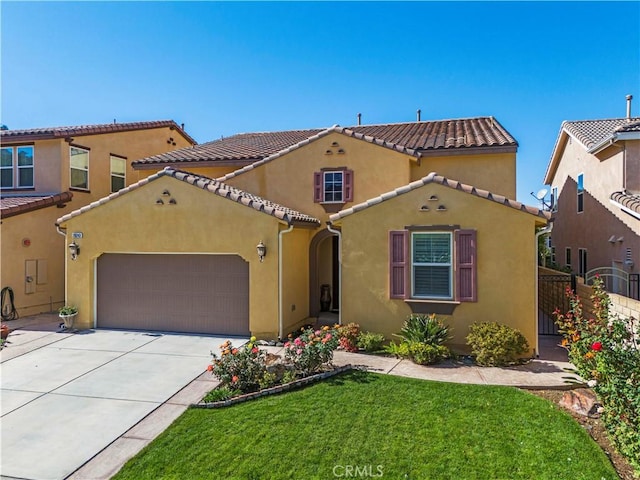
[46, 172]
[261, 233]
[594, 174]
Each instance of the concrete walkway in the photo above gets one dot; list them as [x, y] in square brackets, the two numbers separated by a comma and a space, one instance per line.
[68, 397]
[149, 413]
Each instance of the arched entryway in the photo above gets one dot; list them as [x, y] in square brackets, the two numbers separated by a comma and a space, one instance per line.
[324, 270]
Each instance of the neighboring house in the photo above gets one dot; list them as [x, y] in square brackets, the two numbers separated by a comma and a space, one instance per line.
[352, 212]
[66, 168]
[594, 174]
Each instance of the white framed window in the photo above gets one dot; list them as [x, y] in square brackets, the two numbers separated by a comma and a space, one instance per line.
[554, 199]
[79, 168]
[567, 256]
[333, 186]
[431, 265]
[6, 167]
[582, 262]
[118, 167]
[17, 167]
[333, 183]
[580, 193]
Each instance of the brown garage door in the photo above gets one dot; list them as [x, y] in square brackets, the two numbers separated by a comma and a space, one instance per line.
[174, 293]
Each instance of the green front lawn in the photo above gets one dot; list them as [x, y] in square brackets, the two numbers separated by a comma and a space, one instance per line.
[399, 427]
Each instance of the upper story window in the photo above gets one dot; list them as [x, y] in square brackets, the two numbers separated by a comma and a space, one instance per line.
[333, 186]
[16, 167]
[580, 192]
[118, 173]
[79, 164]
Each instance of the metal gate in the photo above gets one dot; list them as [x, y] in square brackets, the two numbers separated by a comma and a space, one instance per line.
[552, 296]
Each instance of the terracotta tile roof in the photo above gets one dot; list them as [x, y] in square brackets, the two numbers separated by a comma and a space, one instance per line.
[78, 130]
[414, 138]
[243, 147]
[16, 205]
[628, 202]
[435, 178]
[442, 134]
[592, 132]
[288, 215]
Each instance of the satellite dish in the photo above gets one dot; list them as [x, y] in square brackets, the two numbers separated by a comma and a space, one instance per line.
[542, 194]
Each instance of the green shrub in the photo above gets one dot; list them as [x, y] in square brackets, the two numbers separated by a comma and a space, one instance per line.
[370, 341]
[424, 329]
[606, 353]
[399, 350]
[495, 344]
[419, 352]
[220, 393]
[425, 354]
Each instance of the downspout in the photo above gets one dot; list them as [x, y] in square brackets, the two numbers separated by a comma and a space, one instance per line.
[64, 234]
[544, 231]
[339, 234]
[280, 300]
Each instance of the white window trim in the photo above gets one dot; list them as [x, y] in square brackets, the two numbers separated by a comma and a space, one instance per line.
[72, 168]
[11, 167]
[324, 184]
[579, 193]
[582, 265]
[568, 255]
[414, 264]
[117, 175]
[15, 167]
[554, 196]
[32, 166]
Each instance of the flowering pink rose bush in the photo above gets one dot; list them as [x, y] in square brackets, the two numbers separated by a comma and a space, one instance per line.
[242, 368]
[312, 349]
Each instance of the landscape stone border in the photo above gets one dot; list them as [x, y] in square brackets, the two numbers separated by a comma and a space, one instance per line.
[275, 390]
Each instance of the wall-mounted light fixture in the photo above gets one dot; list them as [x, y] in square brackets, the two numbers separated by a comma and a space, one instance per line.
[262, 250]
[74, 250]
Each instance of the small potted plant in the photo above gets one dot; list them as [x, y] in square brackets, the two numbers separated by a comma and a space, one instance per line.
[68, 313]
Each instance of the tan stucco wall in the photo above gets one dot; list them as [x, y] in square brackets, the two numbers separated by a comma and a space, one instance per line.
[51, 175]
[46, 245]
[506, 262]
[603, 175]
[288, 180]
[493, 172]
[200, 222]
[132, 145]
[295, 278]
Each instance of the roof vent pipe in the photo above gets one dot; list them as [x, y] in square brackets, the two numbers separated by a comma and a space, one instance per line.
[418, 115]
[629, 98]
[359, 119]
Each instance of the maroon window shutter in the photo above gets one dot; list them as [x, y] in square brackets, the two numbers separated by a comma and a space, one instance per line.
[398, 263]
[348, 185]
[317, 187]
[466, 266]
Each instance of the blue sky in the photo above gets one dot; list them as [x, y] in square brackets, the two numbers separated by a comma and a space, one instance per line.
[225, 68]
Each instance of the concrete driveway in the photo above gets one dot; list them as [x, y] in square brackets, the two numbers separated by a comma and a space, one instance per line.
[66, 400]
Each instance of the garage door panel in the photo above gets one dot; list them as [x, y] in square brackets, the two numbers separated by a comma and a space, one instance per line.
[181, 293]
